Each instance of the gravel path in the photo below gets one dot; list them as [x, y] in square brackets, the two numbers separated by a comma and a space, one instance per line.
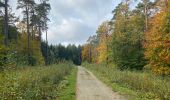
[90, 88]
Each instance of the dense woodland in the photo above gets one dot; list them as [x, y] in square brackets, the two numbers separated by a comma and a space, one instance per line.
[135, 38]
[60, 53]
[21, 40]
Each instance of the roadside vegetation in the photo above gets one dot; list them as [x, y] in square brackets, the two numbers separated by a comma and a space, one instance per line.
[67, 88]
[30, 68]
[38, 83]
[133, 84]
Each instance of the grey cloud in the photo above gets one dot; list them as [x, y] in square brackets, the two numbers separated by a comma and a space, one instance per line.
[73, 21]
[90, 12]
[70, 31]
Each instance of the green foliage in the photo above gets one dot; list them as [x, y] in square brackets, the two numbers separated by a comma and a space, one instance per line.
[33, 83]
[6, 61]
[67, 88]
[58, 53]
[126, 46]
[2, 54]
[18, 52]
[145, 84]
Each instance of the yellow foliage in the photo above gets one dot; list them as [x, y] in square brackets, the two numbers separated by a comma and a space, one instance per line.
[85, 52]
[102, 49]
[35, 49]
[158, 43]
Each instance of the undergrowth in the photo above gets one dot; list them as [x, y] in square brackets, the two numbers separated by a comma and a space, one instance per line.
[33, 83]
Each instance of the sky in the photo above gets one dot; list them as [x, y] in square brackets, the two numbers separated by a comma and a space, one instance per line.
[73, 21]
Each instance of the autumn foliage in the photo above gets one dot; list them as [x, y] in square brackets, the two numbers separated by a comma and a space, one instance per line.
[158, 42]
[134, 39]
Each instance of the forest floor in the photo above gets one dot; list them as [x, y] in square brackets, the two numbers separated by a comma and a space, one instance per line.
[90, 88]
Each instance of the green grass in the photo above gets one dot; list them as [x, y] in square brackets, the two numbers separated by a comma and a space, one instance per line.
[33, 83]
[68, 87]
[133, 85]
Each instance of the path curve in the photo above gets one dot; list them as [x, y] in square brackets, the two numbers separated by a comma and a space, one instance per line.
[90, 88]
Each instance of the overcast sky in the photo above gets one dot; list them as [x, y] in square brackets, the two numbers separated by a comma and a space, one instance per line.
[73, 21]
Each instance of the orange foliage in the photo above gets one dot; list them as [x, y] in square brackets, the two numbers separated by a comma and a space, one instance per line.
[158, 43]
[86, 53]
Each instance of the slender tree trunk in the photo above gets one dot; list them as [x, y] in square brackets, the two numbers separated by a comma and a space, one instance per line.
[17, 48]
[27, 14]
[46, 62]
[146, 15]
[125, 25]
[90, 53]
[32, 34]
[33, 23]
[6, 22]
[107, 50]
[39, 30]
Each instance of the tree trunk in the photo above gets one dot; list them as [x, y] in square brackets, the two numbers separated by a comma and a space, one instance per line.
[46, 62]
[6, 22]
[32, 34]
[27, 14]
[39, 30]
[90, 53]
[107, 49]
[146, 15]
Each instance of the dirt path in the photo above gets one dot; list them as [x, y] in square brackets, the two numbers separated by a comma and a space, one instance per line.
[90, 88]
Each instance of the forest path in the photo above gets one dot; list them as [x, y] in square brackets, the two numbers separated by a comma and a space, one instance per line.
[90, 88]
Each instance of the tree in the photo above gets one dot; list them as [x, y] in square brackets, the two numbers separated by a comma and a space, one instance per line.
[157, 40]
[60, 53]
[42, 11]
[6, 22]
[26, 6]
[5, 6]
[103, 33]
[127, 33]
[85, 53]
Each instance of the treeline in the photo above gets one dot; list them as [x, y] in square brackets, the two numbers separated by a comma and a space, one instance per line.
[134, 38]
[21, 38]
[59, 53]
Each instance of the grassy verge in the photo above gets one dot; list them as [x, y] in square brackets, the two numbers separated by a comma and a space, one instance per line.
[133, 85]
[67, 87]
[33, 83]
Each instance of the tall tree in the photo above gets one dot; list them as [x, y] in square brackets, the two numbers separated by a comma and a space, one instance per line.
[5, 6]
[42, 11]
[127, 27]
[26, 6]
[6, 22]
[147, 9]
[158, 40]
[104, 33]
